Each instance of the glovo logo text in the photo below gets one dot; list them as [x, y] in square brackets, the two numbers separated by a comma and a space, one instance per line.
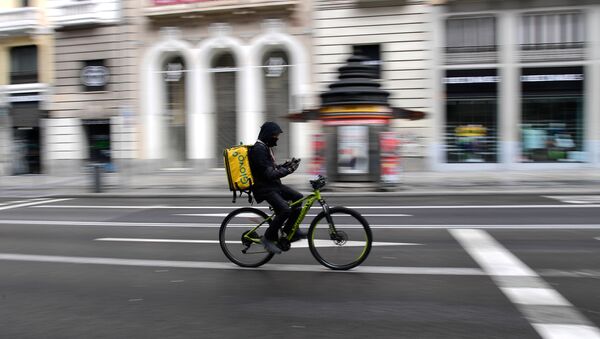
[243, 170]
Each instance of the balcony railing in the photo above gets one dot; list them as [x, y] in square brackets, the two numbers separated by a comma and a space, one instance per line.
[19, 20]
[90, 12]
[570, 51]
[158, 8]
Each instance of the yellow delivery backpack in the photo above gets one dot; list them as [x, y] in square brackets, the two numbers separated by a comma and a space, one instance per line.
[239, 175]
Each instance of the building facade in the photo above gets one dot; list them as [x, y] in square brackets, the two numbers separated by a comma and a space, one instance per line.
[26, 71]
[170, 83]
[517, 84]
[92, 117]
[395, 36]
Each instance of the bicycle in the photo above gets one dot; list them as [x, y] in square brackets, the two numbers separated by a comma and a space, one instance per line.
[338, 237]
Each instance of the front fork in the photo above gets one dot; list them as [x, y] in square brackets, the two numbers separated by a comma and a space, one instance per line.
[333, 235]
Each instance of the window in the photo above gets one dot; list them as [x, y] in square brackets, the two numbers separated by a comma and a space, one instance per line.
[471, 116]
[23, 65]
[225, 94]
[552, 123]
[25, 3]
[175, 79]
[471, 34]
[373, 53]
[556, 30]
[276, 95]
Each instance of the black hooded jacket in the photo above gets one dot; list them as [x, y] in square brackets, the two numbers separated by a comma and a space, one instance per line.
[265, 171]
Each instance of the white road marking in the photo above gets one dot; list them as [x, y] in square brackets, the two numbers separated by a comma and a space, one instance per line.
[503, 266]
[21, 201]
[559, 331]
[230, 266]
[32, 203]
[535, 296]
[575, 199]
[223, 215]
[82, 223]
[490, 255]
[299, 244]
[597, 238]
[230, 208]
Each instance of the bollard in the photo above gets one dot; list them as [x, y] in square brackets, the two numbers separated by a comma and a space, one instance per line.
[97, 170]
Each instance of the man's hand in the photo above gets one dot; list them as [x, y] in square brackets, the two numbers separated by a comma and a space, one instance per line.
[293, 166]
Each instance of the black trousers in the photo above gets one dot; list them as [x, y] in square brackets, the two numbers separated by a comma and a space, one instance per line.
[279, 201]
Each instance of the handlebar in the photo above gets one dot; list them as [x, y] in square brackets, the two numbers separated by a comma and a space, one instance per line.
[319, 183]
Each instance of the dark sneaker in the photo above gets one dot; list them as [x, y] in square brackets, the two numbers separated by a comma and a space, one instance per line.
[300, 234]
[270, 246]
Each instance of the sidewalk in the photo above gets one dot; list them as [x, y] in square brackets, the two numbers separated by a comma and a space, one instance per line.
[213, 183]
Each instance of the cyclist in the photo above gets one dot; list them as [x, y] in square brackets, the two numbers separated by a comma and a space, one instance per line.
[267, 185]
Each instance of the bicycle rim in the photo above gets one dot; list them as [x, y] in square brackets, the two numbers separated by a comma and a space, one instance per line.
[348, 247]
[231, 233]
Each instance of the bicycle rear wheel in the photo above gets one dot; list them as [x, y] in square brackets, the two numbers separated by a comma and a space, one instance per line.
[239, 240]
[344, 246]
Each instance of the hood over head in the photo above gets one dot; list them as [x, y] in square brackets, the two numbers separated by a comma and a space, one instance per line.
[267, 132]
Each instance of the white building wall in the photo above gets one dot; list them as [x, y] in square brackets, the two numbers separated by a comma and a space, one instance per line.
[64, 140]
[201, 124]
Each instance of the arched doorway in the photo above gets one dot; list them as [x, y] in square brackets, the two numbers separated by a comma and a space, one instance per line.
[224, 85]
[276, 84]
[174, 70]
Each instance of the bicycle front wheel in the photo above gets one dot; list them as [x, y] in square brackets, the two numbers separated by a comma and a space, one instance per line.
[343, 244]
[239, 237]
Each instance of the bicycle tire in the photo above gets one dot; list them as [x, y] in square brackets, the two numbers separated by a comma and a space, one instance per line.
[230, 237]
[323, 248]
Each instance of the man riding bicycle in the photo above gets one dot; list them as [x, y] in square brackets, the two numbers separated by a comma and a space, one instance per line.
[267, 185]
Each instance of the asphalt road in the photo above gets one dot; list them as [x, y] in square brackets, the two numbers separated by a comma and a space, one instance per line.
[521, 266]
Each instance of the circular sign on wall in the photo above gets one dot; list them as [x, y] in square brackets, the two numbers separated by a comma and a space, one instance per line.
[94, 76]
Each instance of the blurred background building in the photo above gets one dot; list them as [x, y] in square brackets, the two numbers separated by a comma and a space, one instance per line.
[213, 71]
[154, 84]
[26, 71]
[91, 117]
[516, 84]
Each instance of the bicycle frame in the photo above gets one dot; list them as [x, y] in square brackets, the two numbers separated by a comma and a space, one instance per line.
[308, 201]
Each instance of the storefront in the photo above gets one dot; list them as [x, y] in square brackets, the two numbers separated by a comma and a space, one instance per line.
[552, 123]
[25, 147]
[97, 133]
[518, 87]
[471, 116]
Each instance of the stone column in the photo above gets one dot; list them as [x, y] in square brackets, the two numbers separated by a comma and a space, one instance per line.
[509, 110]
[435, 152]
[592, 88]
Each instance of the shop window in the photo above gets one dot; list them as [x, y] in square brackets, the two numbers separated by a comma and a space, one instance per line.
[372, 52]
[99, 143]
[225, 95]
[23, 65]
[552, 31]
[174, 70]
[471, 116]
[471, 34]
[552, 115]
